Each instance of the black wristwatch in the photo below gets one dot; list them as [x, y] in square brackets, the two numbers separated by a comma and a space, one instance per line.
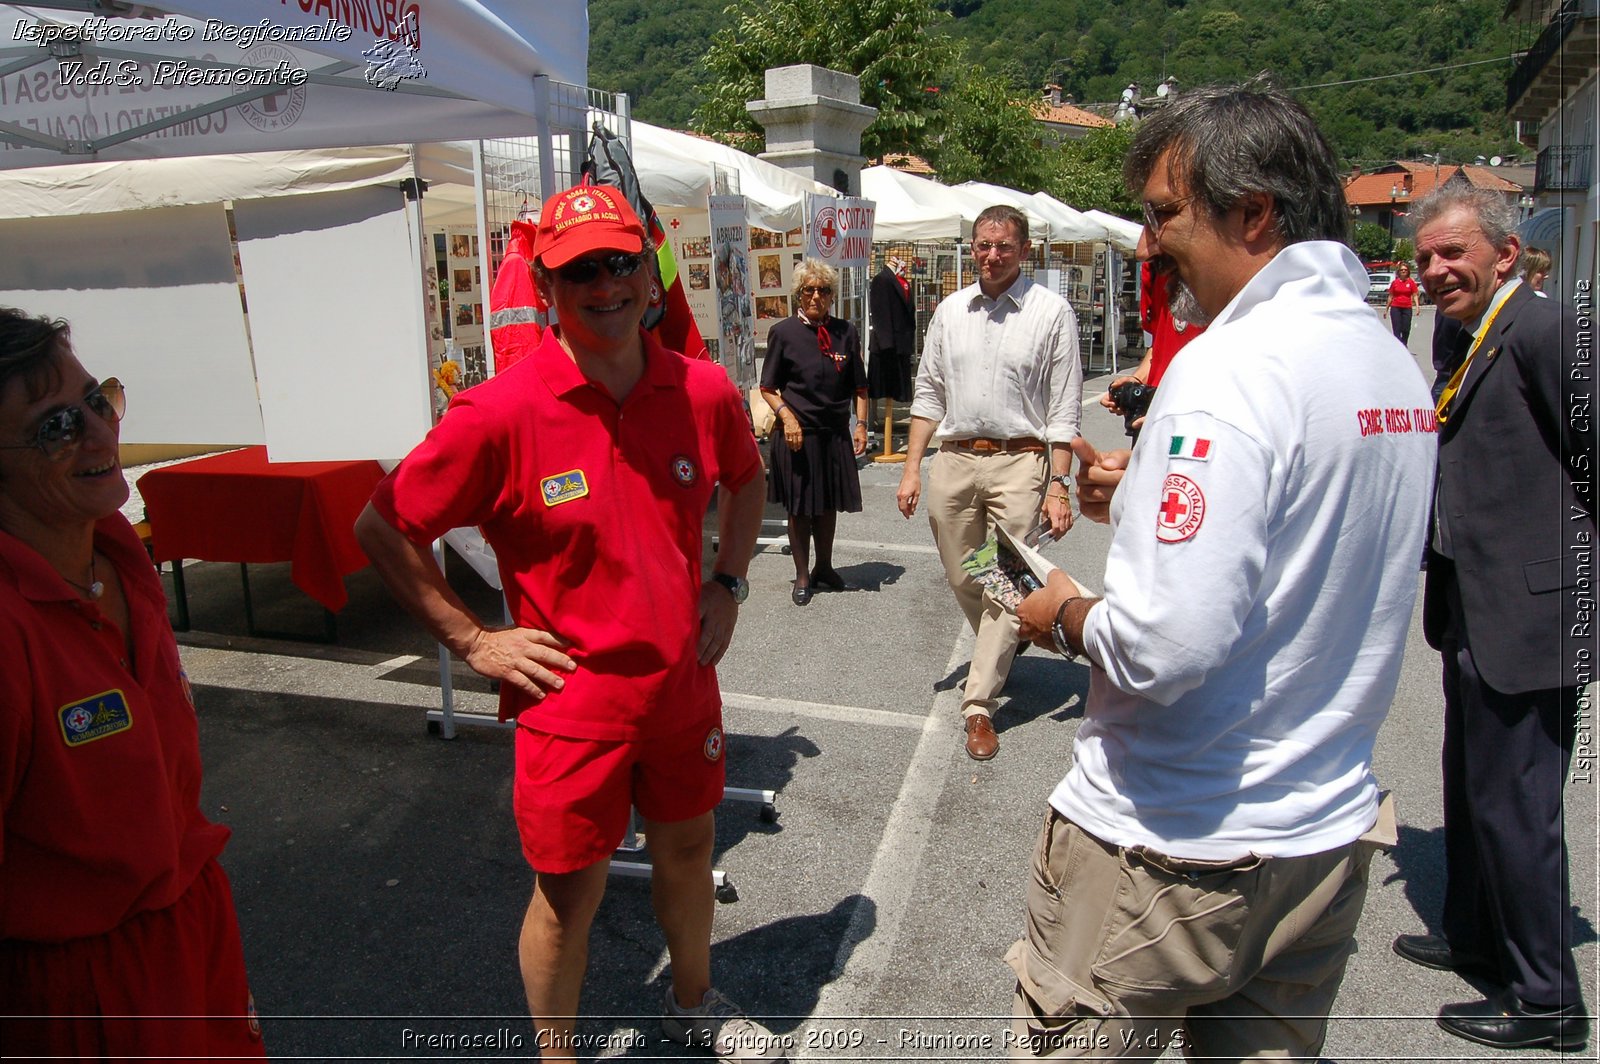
[1058, 633]
[1065, 480]
[737, 586]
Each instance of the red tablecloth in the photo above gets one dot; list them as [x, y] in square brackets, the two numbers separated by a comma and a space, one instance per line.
[238, 507]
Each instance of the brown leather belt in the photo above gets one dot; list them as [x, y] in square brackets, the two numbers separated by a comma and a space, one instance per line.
[984, 445]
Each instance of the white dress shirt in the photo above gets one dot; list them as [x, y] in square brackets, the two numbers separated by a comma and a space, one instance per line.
[1002, 368]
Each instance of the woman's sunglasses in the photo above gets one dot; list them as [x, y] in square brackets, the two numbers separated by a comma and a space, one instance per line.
[62, 431]
[583, 271]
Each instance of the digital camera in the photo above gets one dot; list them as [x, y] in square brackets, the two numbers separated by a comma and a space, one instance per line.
[1133, 399]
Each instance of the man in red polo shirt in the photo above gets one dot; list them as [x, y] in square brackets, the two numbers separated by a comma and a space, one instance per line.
[589, 466]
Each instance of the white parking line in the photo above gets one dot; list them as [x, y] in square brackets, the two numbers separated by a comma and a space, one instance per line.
[822, 710]
[870, 944]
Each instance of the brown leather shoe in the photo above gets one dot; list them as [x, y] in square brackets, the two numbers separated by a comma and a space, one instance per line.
[982, 742]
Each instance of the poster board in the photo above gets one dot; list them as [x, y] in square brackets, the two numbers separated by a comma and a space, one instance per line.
[153, 299]
[336, 317]
[730, 249]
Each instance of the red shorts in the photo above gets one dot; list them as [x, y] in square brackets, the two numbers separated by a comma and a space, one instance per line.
[83, 998]
[572, 796]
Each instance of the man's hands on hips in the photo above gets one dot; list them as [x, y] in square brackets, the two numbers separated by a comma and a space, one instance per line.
[523, 657]
[1038, 611]
[1097, 481]
[718, 615]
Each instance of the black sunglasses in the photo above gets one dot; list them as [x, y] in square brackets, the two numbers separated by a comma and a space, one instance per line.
[583, 271]
[816, 290]
[62, 431]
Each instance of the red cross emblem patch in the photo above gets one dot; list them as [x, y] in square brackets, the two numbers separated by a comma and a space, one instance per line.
[713, 746]
[1181, 511]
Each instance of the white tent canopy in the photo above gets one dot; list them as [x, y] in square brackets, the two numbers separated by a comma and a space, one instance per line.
[1048, 219]
[912, 208]
[915, 208]
[478, 72]
[1124, 234]
[146, 273]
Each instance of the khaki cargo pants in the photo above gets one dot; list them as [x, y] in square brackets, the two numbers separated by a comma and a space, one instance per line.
[1128, 951]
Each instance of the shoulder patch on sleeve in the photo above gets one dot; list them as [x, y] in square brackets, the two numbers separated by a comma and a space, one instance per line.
[1182, 508]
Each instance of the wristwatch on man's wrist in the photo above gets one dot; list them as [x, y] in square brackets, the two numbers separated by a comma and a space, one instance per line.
[737, 586]
[1058, 633]
[1064, 479]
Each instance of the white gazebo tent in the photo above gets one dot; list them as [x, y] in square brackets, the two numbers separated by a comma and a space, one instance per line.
[334, 277]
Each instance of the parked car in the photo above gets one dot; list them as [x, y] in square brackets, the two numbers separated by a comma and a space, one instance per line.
[1378, 286]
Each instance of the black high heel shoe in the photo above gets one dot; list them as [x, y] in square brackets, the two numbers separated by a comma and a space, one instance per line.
[831, 580]
[800, 595]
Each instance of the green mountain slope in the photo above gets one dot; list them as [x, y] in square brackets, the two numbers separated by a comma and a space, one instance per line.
[1094, 48]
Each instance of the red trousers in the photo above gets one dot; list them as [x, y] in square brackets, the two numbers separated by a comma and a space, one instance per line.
[167, 984]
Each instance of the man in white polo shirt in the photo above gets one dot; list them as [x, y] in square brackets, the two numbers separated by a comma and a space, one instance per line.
[1205, 860]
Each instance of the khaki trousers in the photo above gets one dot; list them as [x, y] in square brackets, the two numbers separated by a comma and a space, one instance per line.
[1127, 951]
[967, 492]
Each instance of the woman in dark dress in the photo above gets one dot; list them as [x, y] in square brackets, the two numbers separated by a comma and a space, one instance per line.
[812, 372]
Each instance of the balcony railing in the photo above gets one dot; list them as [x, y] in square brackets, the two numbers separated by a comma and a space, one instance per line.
[1569, 168]
[1573, 15]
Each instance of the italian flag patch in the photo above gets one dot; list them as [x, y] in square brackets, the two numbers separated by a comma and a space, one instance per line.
[1193, 447]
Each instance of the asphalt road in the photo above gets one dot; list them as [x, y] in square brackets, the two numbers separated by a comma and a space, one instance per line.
[380, 884]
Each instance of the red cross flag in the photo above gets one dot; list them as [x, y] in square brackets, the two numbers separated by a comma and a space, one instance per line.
[840, 229]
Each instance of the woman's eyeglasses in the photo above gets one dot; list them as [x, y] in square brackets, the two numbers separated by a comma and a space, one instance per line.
[63, 430]
[816, 290]
[583, 271]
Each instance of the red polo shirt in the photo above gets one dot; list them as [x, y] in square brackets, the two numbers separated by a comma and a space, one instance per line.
[99, 755]
[1168, 335]
[595, 511]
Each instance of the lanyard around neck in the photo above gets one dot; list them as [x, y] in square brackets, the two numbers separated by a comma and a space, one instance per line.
[1441, 411]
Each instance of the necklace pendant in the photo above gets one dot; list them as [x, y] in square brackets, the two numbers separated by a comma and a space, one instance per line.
[97, 589]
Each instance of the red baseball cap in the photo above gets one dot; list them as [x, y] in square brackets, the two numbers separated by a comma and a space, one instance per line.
[586, 218]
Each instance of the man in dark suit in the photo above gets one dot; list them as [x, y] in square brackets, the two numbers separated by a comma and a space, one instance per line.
[894, 333]
[1508, 605]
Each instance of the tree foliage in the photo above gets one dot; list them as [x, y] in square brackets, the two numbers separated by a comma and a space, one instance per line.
[1373, 242]
[1088, 172]
[989, 131]
[1321, 50]
[900, 49]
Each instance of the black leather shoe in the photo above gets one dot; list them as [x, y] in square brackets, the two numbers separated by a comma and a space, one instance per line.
[1432, 951]
[831, 580]
[1507, 1024]
[800, 595]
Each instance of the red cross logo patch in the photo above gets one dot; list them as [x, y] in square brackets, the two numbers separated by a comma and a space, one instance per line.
[1181, 511]
[713, 747]
[683, 470]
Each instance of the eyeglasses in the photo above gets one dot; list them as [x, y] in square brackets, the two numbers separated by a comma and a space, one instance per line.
[817, 290]
[583, 271]
[1157, 215]
[62, 431]
[1005, 247]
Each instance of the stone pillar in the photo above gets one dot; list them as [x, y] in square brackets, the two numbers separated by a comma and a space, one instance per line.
[814, 117]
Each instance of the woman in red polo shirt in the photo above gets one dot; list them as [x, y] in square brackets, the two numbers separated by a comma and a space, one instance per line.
[1402, 296]
[118, 937]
